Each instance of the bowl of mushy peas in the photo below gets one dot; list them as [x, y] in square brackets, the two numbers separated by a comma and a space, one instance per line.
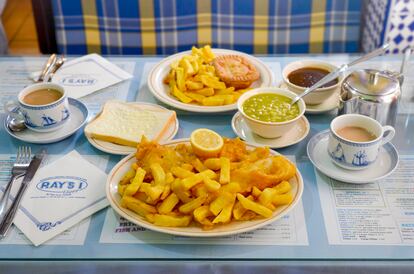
[267, 113]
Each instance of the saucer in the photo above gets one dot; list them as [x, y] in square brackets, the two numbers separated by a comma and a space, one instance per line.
[330, 104]
[385, 164]
[293, 136]
[78, 117]
[112, 148]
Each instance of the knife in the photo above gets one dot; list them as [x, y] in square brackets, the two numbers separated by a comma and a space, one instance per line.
[59, 62]
[11, 212]
[46, 68]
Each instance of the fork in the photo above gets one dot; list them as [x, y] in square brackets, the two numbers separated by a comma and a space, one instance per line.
[20, 166]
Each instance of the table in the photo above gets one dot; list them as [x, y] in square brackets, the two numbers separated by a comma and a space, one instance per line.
[314, 253]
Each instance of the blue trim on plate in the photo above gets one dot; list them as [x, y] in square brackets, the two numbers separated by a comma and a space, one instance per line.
[81, 106]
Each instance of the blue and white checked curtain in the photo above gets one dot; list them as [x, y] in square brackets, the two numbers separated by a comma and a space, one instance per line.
[169, 26]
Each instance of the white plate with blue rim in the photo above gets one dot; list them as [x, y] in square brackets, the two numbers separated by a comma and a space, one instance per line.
[119, 170]
[385, 164]
[78, 116]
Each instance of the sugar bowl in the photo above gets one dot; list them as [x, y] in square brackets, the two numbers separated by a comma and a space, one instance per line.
[373, 93]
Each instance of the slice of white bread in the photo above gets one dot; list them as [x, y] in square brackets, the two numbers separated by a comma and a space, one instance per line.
[125, 124]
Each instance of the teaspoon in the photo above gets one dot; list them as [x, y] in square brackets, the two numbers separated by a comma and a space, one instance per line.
[15, 124]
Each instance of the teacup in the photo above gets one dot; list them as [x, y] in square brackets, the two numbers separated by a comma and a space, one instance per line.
[42, 112]
[348, 153]
[319, 95]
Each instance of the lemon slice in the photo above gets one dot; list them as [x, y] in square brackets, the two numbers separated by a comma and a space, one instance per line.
[206, 143]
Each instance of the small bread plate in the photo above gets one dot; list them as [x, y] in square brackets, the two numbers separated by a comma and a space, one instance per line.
[162, 93]
[330, 104]
[112, 148]
[385, 164]
[293, 136]
[78, 117]
[233, 227]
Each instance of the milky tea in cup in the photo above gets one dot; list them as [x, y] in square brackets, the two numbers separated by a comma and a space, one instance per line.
[44, 107]
[42, 96]
[356, 134]
[355, 140]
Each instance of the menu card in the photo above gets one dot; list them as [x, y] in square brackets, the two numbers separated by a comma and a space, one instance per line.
[61, 195]
[380, 213]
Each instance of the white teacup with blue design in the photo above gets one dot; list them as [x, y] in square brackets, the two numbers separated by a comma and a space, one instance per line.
[41, 118]
[354, 155]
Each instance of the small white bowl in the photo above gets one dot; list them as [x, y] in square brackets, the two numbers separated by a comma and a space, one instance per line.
[269, 129]
[319, 95]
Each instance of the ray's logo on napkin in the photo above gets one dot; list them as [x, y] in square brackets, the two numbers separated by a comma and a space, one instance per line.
[62, 185]
[78, 80]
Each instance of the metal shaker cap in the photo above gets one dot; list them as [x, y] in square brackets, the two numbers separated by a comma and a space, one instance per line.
[371, 82]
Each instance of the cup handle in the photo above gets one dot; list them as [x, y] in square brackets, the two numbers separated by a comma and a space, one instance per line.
[389, 133]
[12, 108]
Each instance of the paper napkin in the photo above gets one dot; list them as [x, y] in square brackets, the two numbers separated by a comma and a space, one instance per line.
[61, 195]
[87, 74]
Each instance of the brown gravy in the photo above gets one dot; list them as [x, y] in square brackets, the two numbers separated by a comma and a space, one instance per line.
[356, 134]
[42, 97]
[308, 76]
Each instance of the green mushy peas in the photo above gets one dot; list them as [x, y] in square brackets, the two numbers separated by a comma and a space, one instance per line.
[270, 107]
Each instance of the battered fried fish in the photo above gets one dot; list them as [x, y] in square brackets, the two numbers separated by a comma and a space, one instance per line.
[234, 149]
[248, 168]
[264, 173]
[149, 152]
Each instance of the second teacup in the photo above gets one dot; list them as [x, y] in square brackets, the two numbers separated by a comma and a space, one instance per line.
[355, 140]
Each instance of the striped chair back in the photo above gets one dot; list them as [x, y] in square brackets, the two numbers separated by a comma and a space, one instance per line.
[168, 26]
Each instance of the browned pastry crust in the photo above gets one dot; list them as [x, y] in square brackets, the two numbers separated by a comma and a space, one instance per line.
[235, 70]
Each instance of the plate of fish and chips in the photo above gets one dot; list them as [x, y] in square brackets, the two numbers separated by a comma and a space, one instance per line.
[171, 189]
[194, 81]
